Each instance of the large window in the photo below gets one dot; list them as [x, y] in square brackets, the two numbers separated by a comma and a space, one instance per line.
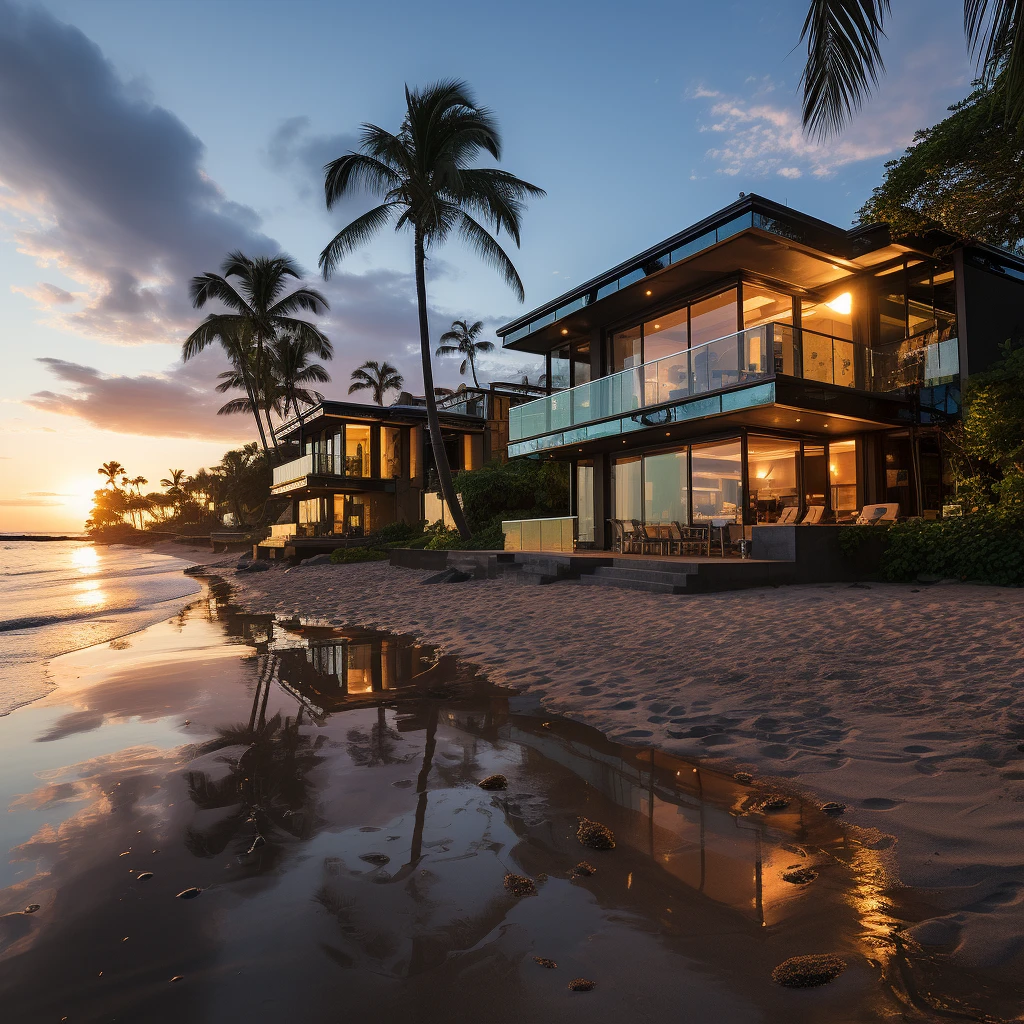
[626, 349]
[717, 481]
[666, 492]
[842, 474]
[357, 450]
[772, 477]
[763, 306]
[713, 318]
[585, 501]
[627, 489]
[390, 452]
[666, 335]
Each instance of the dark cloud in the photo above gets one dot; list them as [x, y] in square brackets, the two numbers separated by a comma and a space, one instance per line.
[293, 150]
[178, 403]
[106, 185]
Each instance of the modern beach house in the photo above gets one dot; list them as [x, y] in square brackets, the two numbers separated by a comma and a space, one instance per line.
[365, 466]
[762, 366]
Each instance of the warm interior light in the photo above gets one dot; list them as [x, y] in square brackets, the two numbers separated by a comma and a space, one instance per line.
[798, 419]
[648, 291]
[832, 468]
[657, 327]
[565, 330]
[842, 304]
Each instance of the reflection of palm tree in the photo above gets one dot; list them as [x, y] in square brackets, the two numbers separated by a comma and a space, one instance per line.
[267, 786]
[377, 746]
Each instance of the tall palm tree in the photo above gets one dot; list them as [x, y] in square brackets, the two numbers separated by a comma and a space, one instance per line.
[111, 470]
[380, 378]
[294, 371]
[462, 339]
[138, 483]
[259, 311]
[424, 175]
[174, 481]
[844, 60]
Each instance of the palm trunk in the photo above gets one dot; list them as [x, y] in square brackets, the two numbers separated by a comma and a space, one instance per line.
[444, 472]
[243, 369]
[472, 369]
[266, 399]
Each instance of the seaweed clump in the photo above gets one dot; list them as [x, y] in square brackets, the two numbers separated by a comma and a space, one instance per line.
[543, 961]
[809, 971]
[774, 802]
[595, 835]
[581, 985]
[833, 807]
[799, 876]
[584, 868]
[493, 782]
[520, 885]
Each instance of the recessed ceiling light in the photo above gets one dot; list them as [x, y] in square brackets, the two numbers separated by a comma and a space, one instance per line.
[657, 327]
[648, 291]
[825, 424]
[668, 433]
[798, 419]
[565, 330]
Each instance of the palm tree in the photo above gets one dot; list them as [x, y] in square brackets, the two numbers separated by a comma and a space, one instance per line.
[111, 470]
[425, 176]
[380, 378]
[293, 370]
[259, 313]
[844, 59]
[138, 483]
[173, 483]
[462, 339]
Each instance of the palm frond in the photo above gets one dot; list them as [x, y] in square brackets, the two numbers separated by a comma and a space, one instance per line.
[207, 287]
[302, 298]
[491, 252]
[349, 238]
[843, 60]
[995, 36]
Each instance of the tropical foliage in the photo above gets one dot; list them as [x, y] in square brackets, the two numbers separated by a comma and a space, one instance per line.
[426, 177]
[259, 314]
[378, 378]
[964, 175]
[844, 61]
[462, 340]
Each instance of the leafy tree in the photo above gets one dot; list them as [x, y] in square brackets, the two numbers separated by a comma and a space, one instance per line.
[462, 340]
[428, 183]
[260, 312]
[380, 378]
[244, 481]
[844, 60]
[111, 470]
[964, 175]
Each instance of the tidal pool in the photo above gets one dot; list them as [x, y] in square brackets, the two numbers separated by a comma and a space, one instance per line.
[320, 787]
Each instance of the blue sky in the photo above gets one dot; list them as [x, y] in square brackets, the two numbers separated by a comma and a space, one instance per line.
[139, 141]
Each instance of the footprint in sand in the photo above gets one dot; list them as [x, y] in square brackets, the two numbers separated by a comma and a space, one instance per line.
[879, 803]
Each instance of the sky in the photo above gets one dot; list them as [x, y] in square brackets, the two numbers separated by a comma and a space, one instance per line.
[140, 142]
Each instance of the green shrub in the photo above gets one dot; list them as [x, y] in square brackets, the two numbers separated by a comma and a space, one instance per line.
[444, 539]
[521, 489]
[985, 547]
[398, 533]
[342, 556]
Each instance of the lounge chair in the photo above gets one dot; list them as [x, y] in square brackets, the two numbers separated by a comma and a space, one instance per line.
[814, 513]
[789, 515]
[872, 515]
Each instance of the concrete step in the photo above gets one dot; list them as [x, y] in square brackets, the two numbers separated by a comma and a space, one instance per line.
[621, 583]
[677, 577]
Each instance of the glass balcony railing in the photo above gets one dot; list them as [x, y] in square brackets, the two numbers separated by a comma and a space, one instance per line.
[747, 357]
[296, 471]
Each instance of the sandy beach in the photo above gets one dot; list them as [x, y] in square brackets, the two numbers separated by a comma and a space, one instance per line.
[903, 702]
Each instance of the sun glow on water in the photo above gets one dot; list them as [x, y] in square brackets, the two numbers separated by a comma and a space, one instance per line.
[85, 560]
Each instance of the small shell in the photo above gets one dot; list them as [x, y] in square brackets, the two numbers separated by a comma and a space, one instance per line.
[188, 894]
[143, 876]
[31, 908]
[833, 807]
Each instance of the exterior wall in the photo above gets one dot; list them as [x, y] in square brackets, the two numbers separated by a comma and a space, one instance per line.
[992, 312]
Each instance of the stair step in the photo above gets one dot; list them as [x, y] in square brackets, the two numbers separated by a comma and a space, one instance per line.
[676, 577]
[624, 583]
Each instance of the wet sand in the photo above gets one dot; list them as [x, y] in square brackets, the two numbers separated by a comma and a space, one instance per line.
[904, 702]
[320, 788]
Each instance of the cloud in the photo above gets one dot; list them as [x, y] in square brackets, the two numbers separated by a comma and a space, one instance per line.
[293, 150]
[29, 503]
[178, 403]
[753, 136]
[105, 185]
[47, 494]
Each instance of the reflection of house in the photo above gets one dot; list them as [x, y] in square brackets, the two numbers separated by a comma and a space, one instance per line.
[364, 466]
[760, 360]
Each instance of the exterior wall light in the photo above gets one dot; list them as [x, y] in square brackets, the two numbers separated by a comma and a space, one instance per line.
[648, 291]
[565, 330]
[841, 304]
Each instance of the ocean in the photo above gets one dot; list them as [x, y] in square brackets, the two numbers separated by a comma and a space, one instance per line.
[59, 596]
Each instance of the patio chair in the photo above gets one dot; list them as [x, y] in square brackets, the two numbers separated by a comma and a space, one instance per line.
[814, 514]
[689, 539]
[618, 535]
[647, 538]
[789, 515]
[872, 515]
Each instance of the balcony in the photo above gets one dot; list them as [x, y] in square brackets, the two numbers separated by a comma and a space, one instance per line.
[293, 475]
[748, 357]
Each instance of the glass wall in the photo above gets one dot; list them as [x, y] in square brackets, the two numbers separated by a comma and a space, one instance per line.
[717, 481]
[763, 306]
[561, 369]
[666, 335]
[390, 452]
[772, 477]
[626, 349]
[833, 318]
[713, 318]
[581, 363]
[585, 501]
[815, 475]
[842, 474]
[627, 488]
[357, 450]
[666, 490]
